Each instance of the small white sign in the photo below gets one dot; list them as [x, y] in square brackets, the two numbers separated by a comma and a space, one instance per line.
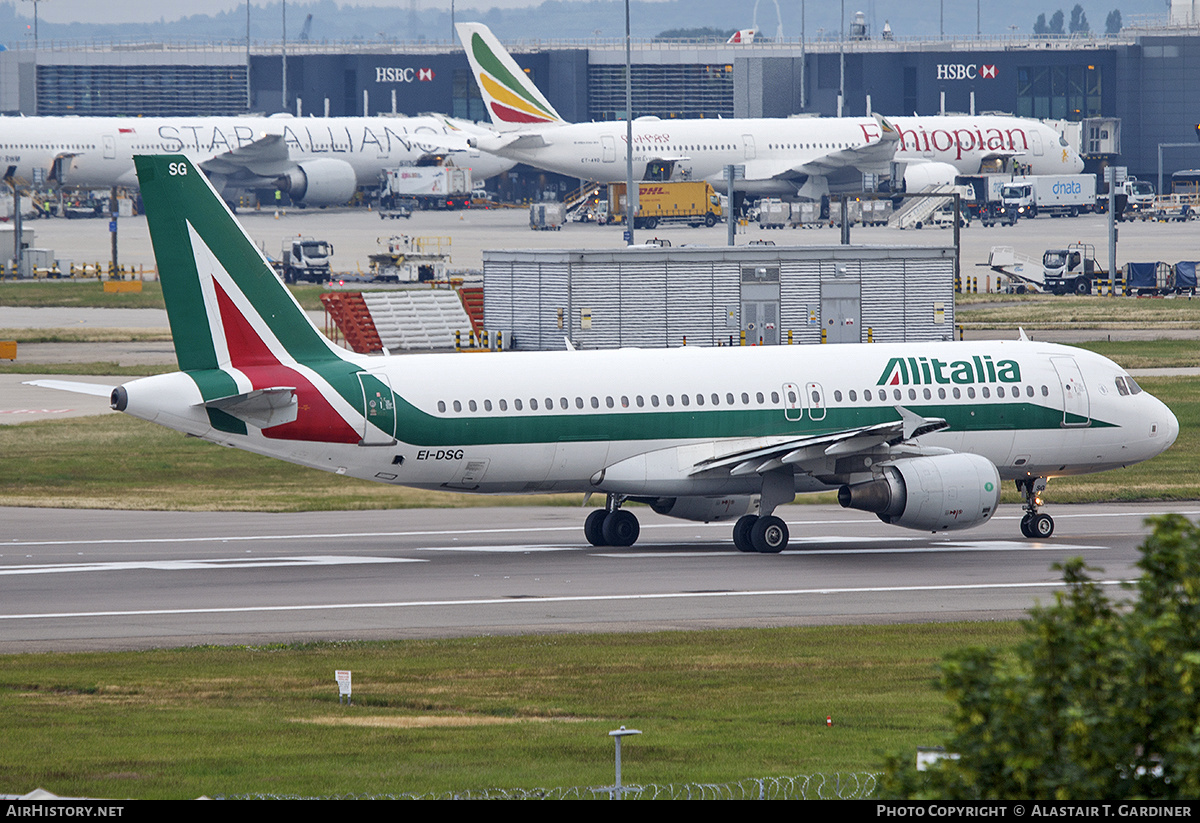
[343, 681]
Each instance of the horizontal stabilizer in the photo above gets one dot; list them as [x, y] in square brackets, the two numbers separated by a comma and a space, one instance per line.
[261, 408]
[94, 389]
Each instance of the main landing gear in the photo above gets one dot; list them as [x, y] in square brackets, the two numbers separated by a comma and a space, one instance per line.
[612, 525]
[1033, 524]
[765, 534]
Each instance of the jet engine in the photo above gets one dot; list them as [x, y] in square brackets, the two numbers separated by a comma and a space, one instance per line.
[941, 493]
[919, 175]
[704, 509]
[321, 182]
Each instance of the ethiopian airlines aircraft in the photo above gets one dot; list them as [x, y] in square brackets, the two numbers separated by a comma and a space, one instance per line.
[320, 161]
[804, 156]
[921, 434]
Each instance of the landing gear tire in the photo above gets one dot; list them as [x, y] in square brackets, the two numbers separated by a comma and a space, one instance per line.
[1041, 526]
[620, 528]
[741, 533]
[769, 535]
[593, 527]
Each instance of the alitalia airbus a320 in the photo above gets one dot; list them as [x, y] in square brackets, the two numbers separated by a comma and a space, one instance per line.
[923, 434]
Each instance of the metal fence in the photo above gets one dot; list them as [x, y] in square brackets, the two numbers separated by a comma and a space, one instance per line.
[836, 786]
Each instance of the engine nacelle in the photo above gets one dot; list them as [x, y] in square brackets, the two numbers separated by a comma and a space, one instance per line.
[320, 182]
[919, 175]
[941, 493]
[704, 509]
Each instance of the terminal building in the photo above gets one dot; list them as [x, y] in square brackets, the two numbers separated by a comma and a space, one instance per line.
[1130, 93]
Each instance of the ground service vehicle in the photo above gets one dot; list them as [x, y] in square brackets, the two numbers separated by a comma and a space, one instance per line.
[1071, 270]
[305, 259]
[427, 187]
[546, 216]
[695, 203]
[1053, 194]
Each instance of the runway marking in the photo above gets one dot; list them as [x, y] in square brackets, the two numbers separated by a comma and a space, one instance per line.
[542, 601]
[794, 525]
[942, 548]
[35, 411]
[209, 564]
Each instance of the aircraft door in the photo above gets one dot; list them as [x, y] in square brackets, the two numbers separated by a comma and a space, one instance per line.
[792, 402]
[1035, 138]
[378, 410]
[748, 146]
[110, 147]
[1076, 406]
[814, 396]
[608, 145]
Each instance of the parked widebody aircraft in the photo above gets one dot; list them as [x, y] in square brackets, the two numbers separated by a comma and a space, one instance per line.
[921, 434]
[320, 161]
[782, 156]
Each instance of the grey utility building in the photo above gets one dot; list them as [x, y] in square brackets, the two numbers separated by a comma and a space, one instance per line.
[663, 297]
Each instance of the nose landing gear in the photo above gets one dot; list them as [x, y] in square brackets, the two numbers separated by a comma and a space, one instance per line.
[1034, 525]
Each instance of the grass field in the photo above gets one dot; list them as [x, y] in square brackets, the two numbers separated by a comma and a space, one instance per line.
[91, 294]
[432, 716]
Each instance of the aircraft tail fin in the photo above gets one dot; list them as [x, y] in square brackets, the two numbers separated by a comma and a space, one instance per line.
[226, 306]
[512, 100]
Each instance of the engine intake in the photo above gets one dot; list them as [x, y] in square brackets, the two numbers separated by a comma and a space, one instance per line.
[320, 182]
[941, 493]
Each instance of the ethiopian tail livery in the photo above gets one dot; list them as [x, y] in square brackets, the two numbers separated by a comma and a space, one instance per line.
[805, 156]
[921, 434]
[320, 161]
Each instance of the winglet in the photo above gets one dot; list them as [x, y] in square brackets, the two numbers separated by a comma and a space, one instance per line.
[512, 100]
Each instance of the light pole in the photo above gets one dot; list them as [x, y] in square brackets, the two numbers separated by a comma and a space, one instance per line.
[631, 194]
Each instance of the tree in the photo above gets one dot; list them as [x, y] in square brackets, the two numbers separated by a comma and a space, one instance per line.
[1101, 700]
[1056, 22]
[1079, 21]
[1039, 25]
[1112, 24]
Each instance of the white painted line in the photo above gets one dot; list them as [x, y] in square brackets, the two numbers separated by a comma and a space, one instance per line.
[541, 601]
[189, 565]
[573, 527]
[795, 548]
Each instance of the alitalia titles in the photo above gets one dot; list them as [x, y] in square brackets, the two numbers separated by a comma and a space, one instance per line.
[918, 371]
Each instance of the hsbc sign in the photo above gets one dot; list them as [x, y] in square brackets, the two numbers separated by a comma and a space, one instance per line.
[391, 74]
[965, 71]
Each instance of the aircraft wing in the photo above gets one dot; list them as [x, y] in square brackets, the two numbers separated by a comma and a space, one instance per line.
[759, 456]
[875, 157]
[265, 157]
[822, 455]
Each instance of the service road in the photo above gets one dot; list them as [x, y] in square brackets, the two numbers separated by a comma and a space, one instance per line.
[75, 579]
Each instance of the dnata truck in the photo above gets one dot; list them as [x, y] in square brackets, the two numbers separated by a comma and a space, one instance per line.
[1053, 194]
[304, 258]
[691, 202]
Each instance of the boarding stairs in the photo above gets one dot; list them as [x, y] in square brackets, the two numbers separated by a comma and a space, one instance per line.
[917, 211]
[581, 195]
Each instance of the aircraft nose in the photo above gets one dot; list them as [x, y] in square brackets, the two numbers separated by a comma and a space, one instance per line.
[1170, 427]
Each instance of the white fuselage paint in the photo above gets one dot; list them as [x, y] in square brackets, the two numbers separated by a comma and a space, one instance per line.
[596, 151]
[98, 151]
[1124, 428]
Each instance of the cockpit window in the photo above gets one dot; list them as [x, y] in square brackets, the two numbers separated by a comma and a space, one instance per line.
[1134, 388]
[1121, 386]
[1062, 141]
